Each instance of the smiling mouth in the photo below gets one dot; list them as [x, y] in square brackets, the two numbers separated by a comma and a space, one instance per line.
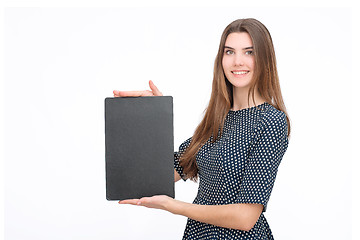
[239, 72]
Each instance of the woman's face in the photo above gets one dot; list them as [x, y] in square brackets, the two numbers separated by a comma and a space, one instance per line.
[238, 60]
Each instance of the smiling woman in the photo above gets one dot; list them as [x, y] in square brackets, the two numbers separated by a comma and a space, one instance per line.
[237, 147]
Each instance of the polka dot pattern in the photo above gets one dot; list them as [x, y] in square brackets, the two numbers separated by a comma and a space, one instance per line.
[240, 167]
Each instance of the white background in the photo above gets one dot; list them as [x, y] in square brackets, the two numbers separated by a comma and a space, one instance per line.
[60, 64]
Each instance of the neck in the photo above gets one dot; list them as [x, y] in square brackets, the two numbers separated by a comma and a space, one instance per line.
[240, 97]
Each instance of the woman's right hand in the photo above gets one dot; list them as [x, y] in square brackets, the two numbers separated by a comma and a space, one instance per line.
[153, 92]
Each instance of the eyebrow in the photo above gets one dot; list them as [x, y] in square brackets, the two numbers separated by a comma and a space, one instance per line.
[242, 49]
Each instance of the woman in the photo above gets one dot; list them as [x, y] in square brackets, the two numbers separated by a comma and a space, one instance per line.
[237, 148]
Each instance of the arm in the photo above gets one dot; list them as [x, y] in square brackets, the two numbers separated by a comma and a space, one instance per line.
[236, 216]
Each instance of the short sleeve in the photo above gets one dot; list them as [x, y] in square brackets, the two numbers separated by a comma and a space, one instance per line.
[177, 156]
[263, 162]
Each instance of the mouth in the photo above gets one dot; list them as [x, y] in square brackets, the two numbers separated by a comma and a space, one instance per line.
[239, 73]
[243, 72]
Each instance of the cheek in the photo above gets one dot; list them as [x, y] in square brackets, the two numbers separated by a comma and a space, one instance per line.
[225, 63]
[251, 63]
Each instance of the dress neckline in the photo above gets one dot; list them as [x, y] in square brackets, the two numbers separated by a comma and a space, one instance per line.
[250, 108]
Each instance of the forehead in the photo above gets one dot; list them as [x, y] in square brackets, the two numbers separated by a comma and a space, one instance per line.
[238, 40]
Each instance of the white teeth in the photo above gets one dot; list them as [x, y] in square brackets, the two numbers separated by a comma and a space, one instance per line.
[241, 72]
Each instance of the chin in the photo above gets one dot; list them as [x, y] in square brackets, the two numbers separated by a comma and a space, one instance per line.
[237, 84]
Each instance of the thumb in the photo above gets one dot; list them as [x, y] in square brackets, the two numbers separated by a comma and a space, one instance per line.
[154, 89]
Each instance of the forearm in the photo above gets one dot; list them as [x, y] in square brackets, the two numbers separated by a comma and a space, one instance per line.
[236, 216]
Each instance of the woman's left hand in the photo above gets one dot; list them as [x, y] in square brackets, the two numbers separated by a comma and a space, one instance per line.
[158, 202]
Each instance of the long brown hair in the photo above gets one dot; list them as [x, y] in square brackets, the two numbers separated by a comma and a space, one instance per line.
[265, 79]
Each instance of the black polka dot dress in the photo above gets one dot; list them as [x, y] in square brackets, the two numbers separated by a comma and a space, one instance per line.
[240, 167]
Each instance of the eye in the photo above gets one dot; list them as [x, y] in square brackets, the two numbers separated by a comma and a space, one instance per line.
[229, 52]
[249, 52]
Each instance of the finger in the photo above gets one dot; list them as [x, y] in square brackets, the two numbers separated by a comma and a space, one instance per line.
[154, 89]
[144, 200]
[147, 93]
[130, 201]
[131, 93]
[116, 93]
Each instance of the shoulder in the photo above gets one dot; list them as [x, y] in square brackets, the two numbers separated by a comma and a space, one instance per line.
[185, 145]
[272, 118]
[272, 128]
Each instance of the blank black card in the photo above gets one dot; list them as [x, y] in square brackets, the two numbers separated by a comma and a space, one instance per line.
[139, 147]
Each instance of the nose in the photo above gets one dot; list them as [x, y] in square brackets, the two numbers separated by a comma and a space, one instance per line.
[238, 60]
